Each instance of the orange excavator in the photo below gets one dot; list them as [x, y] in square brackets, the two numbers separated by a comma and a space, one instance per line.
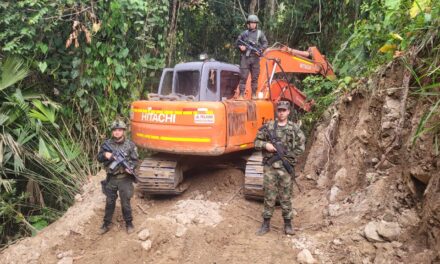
[194, 119]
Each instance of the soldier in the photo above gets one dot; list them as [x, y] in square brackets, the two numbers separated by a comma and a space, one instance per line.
[277, 180]
[119, 179]
[249, 61]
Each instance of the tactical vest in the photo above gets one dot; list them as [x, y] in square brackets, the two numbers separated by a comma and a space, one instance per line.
[285, 134]
[254, 40]
[126, 147]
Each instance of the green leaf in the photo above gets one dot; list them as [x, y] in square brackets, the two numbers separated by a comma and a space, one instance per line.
[43, 47]
[42, 66]
[123, 53]
[44, 113]
[392, 4]
[43, 151]
[80, 92]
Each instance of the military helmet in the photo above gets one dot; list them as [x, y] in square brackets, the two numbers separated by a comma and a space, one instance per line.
[283, 105]
[118, 124]
[252, 19]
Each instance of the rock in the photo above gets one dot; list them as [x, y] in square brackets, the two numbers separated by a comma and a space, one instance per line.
[144, 234]
[337, 241]
[387, 125]
[420, 174]
[309, 177]
[366, 261]
[371, 176]
[65, 260]
[396, 244]
[392, 108]
[374, 161]
[333, 210]
[199, 197]
[370, 232]
[195, 193]
[400, 253]
[305, 257]
[173, 254]
[388, 216]
[180, 230]
[299, 243]
[356, 237]
[390, 231]
[146, 245]
[68, 253]
[78, 197]
[409, 218]
[333, 193]
[341, 177]
[294, 212]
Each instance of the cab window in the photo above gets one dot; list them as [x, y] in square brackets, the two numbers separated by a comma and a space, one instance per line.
[187, 83]
[228, 83]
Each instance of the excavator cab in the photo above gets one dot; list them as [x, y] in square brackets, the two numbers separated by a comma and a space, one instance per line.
[209, 81]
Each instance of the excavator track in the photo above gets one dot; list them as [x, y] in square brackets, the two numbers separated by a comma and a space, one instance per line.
[253, 177]
[161, 175]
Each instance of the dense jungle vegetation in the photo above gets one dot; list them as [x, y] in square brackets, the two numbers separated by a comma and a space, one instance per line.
[69, 67]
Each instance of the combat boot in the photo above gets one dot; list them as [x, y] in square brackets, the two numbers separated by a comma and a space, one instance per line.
[265, 227]
[288, 229]
[104, 229]
[129, 227]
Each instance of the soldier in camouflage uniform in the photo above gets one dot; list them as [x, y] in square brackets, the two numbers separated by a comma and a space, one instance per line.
[277, 180]
[120, 178]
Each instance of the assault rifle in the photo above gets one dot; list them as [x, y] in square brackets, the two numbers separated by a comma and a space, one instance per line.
[251, 47]
[280, 154]
[118, 159]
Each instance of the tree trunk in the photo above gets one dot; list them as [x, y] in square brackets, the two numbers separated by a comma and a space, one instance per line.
[252, 6]
[172, 32]
[271, 6]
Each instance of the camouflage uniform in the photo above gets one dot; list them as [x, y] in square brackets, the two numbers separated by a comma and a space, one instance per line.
[119, 180]
[277, 181]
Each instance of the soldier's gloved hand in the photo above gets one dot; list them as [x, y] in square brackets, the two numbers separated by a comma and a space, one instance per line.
[242, 48]
[108, 155]
[269, 147]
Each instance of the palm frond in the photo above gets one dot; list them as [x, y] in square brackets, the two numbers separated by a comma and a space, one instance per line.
[12, 71]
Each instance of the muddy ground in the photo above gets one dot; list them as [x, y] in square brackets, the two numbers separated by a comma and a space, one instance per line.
[369, 196]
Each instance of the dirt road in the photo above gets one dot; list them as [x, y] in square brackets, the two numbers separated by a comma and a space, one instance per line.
[210, 223]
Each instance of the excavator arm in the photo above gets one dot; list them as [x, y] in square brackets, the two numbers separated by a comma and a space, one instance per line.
[277, 63]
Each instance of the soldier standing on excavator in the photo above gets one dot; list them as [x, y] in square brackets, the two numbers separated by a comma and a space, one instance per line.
[281, 142]
[119, 178]
[250, 61]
